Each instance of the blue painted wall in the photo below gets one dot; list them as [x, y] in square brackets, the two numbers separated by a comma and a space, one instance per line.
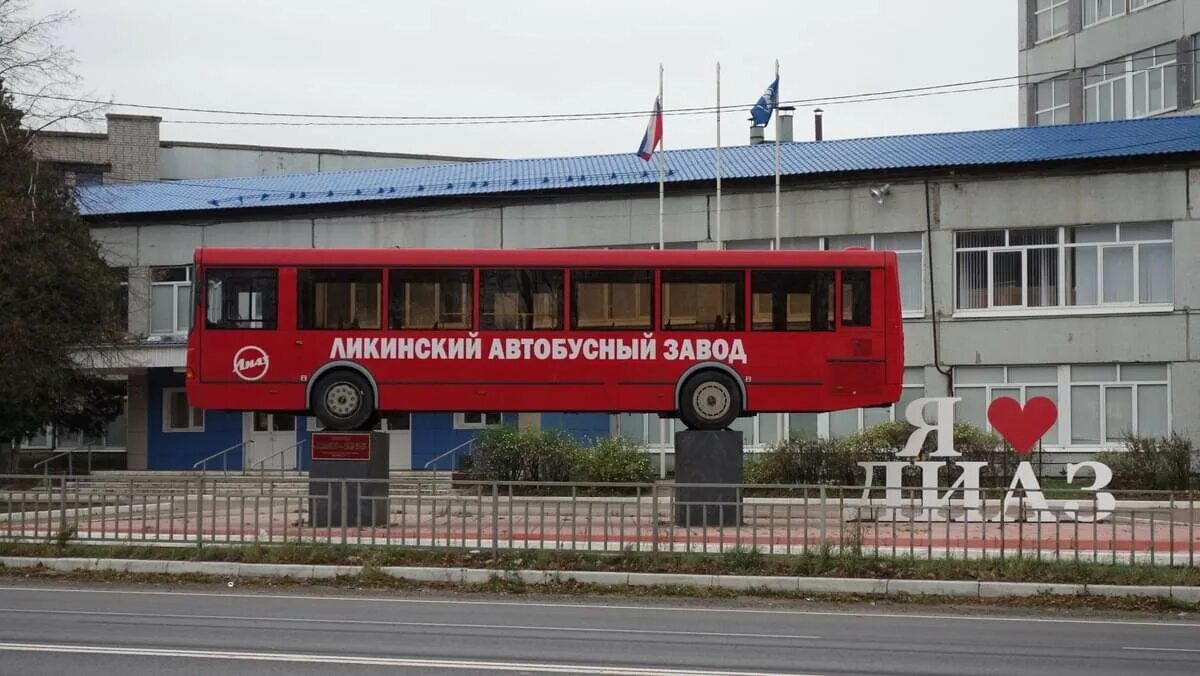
[181, 450]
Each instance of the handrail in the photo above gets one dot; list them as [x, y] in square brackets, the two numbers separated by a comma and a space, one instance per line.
[453, 451]
[224, 455]
[46, 463]
[262, 464]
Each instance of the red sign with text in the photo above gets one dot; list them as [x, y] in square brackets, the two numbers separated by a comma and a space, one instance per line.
[327, 446]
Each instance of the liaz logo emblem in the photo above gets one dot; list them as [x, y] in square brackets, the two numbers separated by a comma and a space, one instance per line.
[251, 363]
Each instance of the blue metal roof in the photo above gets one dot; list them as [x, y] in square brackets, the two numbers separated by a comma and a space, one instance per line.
[1023, 145]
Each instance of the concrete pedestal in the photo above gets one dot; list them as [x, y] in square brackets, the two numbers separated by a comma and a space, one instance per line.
[348, 479]
[708, 457]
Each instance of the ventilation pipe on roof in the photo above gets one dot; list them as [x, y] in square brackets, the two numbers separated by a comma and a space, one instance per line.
[818, 132]
[756, 134]
[784, 122]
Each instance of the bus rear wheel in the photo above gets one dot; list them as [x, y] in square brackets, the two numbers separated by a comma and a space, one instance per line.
[709, 400]
[343, 400]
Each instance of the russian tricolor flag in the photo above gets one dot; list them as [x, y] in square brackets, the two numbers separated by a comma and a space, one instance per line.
[654, 131]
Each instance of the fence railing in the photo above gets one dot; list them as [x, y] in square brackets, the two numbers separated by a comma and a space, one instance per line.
[1140, 528]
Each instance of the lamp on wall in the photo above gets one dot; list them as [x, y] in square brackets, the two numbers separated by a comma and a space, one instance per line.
[879, 192]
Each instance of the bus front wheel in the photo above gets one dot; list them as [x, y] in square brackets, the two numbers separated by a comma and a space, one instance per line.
[343, 400]
[709, 400]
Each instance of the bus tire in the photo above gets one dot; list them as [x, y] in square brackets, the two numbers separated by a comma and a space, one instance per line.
[709, 400]
[343, 400]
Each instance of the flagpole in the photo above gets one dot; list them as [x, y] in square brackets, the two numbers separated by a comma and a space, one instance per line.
[662, 149]
[776, 115]
[718, 154]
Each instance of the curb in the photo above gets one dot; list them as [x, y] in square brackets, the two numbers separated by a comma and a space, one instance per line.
[815, 585]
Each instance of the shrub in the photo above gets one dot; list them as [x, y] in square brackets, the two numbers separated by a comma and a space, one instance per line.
[835, 461]
[804, 461]
[506, 454]
[616, 460]
[1151, 463]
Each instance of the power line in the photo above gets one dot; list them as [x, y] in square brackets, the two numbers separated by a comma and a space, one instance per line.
[540, 117]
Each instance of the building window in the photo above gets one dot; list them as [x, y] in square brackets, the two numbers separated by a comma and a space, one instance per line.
[1111, 401]
[1134, 86]
[1100, 266]
[1051, 102]
[430, 299]
[1051, 18]
[978, 386]
[477, 420]
[170, 299]
[340, 299]
[521, 300]
[241, 299]
[177, 415]
[1135, 5]
[1098, 404]
[1095, 11]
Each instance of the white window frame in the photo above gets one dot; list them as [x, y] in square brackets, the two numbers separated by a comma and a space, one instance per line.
[1134, 71]
[1119, 8]
[461, 423]
[175, 289]
[1061, 307]
[1051, 10]
[1139, 5]
[1055, 107]
[166, 414]
[1063, 384]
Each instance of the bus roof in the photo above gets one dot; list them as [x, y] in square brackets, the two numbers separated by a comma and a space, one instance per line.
[642, 258]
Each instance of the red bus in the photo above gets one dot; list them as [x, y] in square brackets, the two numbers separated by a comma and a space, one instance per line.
[706, 336]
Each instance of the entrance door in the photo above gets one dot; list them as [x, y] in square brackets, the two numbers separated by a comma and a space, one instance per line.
[271, 434]
[399, 429]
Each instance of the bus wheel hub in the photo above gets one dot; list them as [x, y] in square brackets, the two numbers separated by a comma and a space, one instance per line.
[342, 399]
[711, 400]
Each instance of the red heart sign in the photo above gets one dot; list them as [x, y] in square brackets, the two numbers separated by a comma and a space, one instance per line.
[1022, 427]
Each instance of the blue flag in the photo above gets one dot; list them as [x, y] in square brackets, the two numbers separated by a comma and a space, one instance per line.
[761, 112]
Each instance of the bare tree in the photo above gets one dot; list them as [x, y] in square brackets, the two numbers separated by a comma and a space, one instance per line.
[36, 71]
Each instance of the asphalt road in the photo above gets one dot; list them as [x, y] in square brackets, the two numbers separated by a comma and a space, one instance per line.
[55, 630]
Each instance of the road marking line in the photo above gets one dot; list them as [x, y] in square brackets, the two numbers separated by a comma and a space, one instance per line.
[474, 665]
[1164, 650]
[600, 606]
[390, 623]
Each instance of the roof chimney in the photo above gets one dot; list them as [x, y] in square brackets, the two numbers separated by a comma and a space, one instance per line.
[784, 122]
[756, 134]
[818, 132]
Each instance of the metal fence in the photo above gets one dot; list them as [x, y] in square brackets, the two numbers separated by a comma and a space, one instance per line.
[203, 510]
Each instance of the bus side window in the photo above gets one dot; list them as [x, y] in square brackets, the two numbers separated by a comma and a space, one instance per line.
[239, 298]
[521, 300]
[430, 299]
[792, 300]
[703, 300]
[611, 299]
[856, 298]
[340, 299]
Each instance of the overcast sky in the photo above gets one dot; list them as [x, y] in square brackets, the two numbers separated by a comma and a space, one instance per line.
[534, 57]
